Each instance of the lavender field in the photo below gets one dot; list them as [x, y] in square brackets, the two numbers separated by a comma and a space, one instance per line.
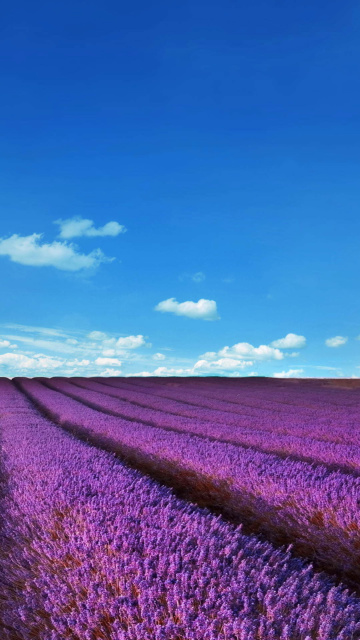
[179, 509]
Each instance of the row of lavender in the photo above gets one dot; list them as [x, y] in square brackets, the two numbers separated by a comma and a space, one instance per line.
[300, 392]
[92, 549]
[169, 414]
[305, 415]
[297, 420]
[289, 438]
[255, 409]
[274, 394]
[307, 395]
[312, 507]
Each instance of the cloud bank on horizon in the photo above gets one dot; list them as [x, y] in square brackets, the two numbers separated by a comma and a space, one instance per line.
[97, 353]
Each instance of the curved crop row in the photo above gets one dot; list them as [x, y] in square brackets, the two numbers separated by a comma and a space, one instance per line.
[196, 393]
[126, 405]
[315, 509]
[269, 394]
[322, 425]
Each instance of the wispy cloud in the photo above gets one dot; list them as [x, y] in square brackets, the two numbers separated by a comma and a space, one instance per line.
[291, 373]
[103, 362]
[97, 335]
[30, 329]
[201, 310]
[322, 367]
[42, 349]
[59, 346]
[31, 251]
[199, 276]
[112, 346]
[39, 362]
[77, 227]
[336, 341]
[220, 365]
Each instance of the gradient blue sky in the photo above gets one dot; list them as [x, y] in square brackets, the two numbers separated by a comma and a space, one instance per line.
[224, 136]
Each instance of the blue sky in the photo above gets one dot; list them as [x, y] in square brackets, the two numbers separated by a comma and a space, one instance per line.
[221, 141]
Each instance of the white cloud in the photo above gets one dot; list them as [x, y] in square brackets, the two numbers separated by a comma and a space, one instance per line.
[6, 344]
[108, 353]
[28, 250]
[90, 346]
[51, 345]
[75, 353]
[203, 309]
[140, 374]
[292, 373]
[77, 226]
[37, 362]
[223, 364]
[118, 344]
[291, 341]
[165, 371]
[78, 363]
[103, 362]
[337, 341]
[246, 350]
[162, 372]
[159, 356]
[110, 373]
[114, 346]
[130, 342]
